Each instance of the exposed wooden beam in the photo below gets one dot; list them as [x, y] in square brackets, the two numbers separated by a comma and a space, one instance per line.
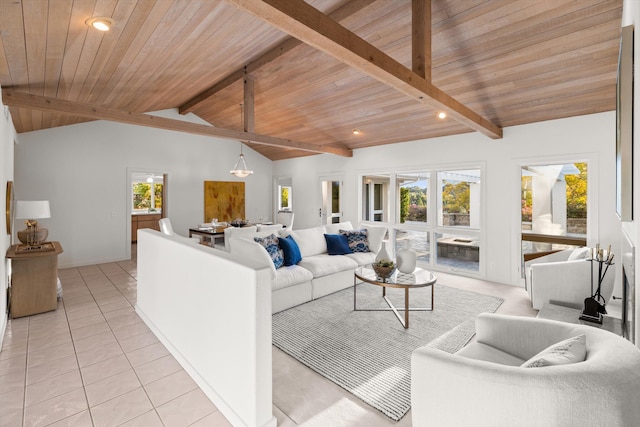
[421, 38]
[308, 24]
[249, 107]
[43, 103]
[339, 14]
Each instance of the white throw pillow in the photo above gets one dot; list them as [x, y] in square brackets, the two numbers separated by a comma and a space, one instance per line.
[571, 350]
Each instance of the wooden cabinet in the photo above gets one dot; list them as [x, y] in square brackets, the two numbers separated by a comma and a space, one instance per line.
[34, 280]
[140, 221]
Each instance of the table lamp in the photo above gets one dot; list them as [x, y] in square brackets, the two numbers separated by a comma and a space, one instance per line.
[30, 211]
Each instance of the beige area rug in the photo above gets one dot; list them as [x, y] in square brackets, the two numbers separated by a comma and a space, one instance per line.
[368, 353]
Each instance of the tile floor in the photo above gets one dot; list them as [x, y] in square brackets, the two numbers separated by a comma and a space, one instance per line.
[93, 362]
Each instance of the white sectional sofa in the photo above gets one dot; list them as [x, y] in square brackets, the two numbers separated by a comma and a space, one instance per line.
[318, 273]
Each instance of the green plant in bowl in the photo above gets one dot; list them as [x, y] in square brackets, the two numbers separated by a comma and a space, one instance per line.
[384, 268]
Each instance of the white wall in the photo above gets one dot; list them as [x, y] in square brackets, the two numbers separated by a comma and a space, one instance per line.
[185, 305]
[7, 136]
[631, 16]
[590, 138]
[82, 170]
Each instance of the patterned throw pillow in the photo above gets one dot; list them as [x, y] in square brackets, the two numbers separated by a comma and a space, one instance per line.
[358, 240]
[571, 350]
[270, 243]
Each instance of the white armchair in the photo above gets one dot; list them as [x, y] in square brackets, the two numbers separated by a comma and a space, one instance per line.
[167, 228]
[285, 218]
[483, 384]
[564, 278]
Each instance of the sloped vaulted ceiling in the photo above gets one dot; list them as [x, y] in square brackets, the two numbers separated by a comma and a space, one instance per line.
[510, 61]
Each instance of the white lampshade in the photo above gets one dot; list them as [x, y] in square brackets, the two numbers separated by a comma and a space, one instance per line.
[32, 209]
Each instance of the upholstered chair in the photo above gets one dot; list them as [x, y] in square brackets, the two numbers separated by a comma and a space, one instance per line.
[485, 385]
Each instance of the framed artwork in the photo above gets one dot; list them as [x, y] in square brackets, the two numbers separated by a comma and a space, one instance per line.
[9, 205]
[223, 200]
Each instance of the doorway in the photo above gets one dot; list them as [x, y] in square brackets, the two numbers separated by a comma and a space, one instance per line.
[331, 205]
[147, 192]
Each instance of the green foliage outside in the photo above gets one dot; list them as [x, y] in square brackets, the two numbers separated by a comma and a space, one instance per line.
[284, 197]
[576, 194]
[142, 196]
[404, 203]
[414, 202]
[455, 197]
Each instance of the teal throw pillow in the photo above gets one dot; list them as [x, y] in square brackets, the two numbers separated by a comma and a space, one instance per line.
[358, 240]
[270, 243]
[337, 244]
[291, 251]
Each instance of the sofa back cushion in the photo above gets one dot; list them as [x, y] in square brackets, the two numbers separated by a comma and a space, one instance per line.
[375, 236]
[245, 249]
[335, 228]
[231, 232]
[310, 241]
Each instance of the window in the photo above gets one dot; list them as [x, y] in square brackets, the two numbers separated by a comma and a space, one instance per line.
[553, 206]
[460, 198]
[284, 198]
[147, 193]
[375, 200]
[412, 194]
[438, 212]
[330, 212]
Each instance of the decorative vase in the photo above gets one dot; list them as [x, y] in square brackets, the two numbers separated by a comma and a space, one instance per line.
[383, 254]
[406, 259]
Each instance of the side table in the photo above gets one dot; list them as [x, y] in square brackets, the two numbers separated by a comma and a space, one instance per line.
[34, 278]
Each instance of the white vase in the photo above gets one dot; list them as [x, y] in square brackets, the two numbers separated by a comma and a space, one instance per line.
[406, 259]
[383, 254]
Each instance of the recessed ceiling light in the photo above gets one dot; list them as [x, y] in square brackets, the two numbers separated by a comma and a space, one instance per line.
[101, 23]
[442, 115]
[356, 132]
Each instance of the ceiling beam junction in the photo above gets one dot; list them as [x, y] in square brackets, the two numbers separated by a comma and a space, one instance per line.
[421, 38]
[308, 24]
[43, 103]
[288, 44]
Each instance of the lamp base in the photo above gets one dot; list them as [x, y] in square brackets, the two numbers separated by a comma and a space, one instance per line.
[33, 237]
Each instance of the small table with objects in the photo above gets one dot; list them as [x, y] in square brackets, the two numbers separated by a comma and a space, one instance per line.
[210, 233]
[418, 279]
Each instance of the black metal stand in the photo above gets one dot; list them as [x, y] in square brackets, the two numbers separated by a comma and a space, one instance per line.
[595, 306]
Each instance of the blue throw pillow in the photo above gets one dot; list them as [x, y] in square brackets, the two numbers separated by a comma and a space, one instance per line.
[358, 239]
[337, 244]
[270, 243]
[291, 251]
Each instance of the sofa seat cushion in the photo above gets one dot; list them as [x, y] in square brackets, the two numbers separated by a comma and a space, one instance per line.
[290, 276]
[362, 258]
[487, 353]
[324, 264]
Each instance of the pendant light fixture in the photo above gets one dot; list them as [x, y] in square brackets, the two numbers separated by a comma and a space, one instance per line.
[240, 169]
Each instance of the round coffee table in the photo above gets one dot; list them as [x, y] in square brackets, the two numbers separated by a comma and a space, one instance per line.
[418, 279]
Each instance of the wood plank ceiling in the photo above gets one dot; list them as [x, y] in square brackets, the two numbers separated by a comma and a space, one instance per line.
[511, 61]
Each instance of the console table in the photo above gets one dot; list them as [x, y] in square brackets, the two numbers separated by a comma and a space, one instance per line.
[34, 279]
